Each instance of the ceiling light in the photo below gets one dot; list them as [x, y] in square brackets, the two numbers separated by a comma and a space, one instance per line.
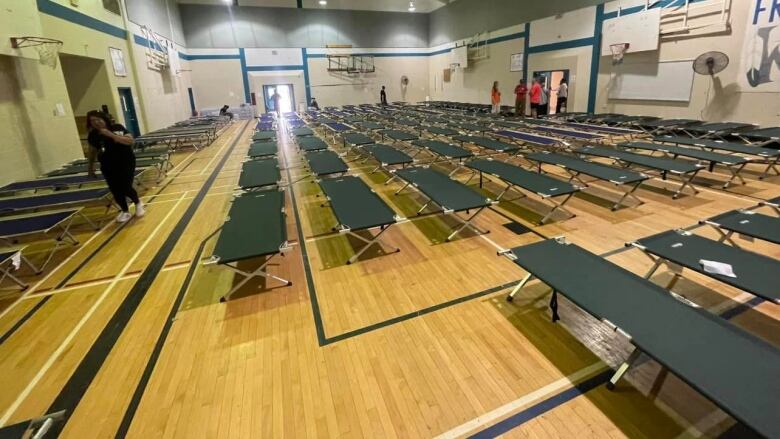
[411, 7]
[323, 2]
[228, 1]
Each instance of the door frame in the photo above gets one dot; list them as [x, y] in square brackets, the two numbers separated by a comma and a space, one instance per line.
[548, 73]
[267, 97]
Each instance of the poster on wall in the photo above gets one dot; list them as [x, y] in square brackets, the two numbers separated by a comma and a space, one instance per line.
[516, 62]
[118, 61]
[760, 63]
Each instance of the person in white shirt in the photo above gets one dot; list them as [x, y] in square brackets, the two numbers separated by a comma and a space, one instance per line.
[563, 94]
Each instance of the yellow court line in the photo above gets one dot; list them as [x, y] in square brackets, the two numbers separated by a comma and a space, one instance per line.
[66, 342]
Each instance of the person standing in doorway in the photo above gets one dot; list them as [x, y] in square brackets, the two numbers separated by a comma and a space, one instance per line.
[495, 98]
[276, 97]
[544, 100]
[563, 94]
[520, 93]
[111, 145]
[383, 96]
[536, 96]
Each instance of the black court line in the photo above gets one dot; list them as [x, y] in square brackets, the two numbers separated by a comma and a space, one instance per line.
[28, 315]
[79, 382]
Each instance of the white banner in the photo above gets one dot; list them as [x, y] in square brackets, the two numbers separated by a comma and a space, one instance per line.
[760, 64]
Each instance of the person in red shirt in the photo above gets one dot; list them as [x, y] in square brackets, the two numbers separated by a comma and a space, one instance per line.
[495, 98]
[536, 97]
[520, 93]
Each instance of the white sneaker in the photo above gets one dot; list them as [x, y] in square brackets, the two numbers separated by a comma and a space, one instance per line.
[139, 210]
[123, 217]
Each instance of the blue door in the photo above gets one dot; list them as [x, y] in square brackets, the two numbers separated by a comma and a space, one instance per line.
[128, 110]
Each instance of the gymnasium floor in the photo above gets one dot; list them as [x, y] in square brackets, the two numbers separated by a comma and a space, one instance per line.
[128, 334]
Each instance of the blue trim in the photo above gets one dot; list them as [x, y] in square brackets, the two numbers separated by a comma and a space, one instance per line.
[141, 41]
[210, 57]
[510, 37]
[299, 4]
[49, 7]
[636, 9]
[526, 49]
[272, 68]
[244, 75]
[306, 85]
[543, 407]
[595, 59]
[571, 44]
[192, 101]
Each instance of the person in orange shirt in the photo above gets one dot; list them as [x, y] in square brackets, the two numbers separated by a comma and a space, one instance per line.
[495, 98]
[520, 93]
[536, 97]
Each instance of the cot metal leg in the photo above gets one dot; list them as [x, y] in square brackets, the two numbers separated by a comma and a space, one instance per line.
[771, 166]
[735, 174]
[259, 272]
[423, 207]
[654, 268]
[628, 193]
[5, 273]
[519, 286]
[467, 223]
[726, 236]
[574, 176]
[369, 243]
[686, 183]
[393, 176]
[558, 206]
[623, 368]
[402, 188]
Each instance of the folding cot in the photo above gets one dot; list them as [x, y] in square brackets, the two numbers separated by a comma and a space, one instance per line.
[357, 208]
[452, 196]
[528, 139]
[255, 227]
[369, 126]
[747, 223]
[302, 132]
[338, 128]
[174, 138]
[355, 140]
[494, 145]
[773, 203]
[716, 129]
[56, 182]
[325, 163]
[470, 128]
[761, 136]
[575, 167]
[685, 171]
[769, 156]
[569, 134]
[388, 158]
[441, 132]
[665, 125]
[10, 260]
[398, 136]
[55, 223]
[445, 152]
[58, 199]
[264, 135]
[733, 368]
[735, 164]
[262, 149]
[82, 168]
[296, 123]
[308, 144]
[613, 131]
[546, 187]
[260, 174]
[755, 273]
[265, 126]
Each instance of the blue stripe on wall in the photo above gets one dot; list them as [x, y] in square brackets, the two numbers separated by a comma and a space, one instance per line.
[244, 75]
[582, 42]
[595, 59]
[49, 7]
[306, 85]
[272, 68]
[141, 41]
[208, 57]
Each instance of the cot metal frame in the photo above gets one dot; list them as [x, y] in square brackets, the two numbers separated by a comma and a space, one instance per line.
[249, 275]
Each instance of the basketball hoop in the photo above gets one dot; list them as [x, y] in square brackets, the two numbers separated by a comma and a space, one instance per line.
[47, 48]
[618, 50]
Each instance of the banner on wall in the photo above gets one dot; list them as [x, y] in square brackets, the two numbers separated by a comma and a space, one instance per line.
[760, 64]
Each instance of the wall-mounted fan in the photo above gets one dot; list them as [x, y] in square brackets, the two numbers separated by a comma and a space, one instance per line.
[710, 63]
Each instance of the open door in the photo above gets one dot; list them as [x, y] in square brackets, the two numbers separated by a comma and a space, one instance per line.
[286, 100]
[128, 110]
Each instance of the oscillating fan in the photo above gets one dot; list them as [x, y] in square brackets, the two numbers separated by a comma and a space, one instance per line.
[710, 63]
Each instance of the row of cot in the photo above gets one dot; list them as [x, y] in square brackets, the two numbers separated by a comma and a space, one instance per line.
[742, 382]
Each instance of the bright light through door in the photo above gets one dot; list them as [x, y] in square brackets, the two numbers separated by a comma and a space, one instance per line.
[286, 102]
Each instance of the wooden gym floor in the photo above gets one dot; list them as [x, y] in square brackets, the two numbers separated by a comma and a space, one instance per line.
[126, 332]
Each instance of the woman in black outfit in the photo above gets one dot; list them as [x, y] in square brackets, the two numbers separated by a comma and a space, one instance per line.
[112, 146]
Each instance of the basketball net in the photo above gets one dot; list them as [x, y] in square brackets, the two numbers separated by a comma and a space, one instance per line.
[47, 54]
[618, 50]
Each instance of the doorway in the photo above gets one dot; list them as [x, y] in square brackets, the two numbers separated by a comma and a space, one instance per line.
[128, 110]
[287, 97]
[551, 79]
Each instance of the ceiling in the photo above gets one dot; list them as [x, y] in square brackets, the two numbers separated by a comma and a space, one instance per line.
[422, 6]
